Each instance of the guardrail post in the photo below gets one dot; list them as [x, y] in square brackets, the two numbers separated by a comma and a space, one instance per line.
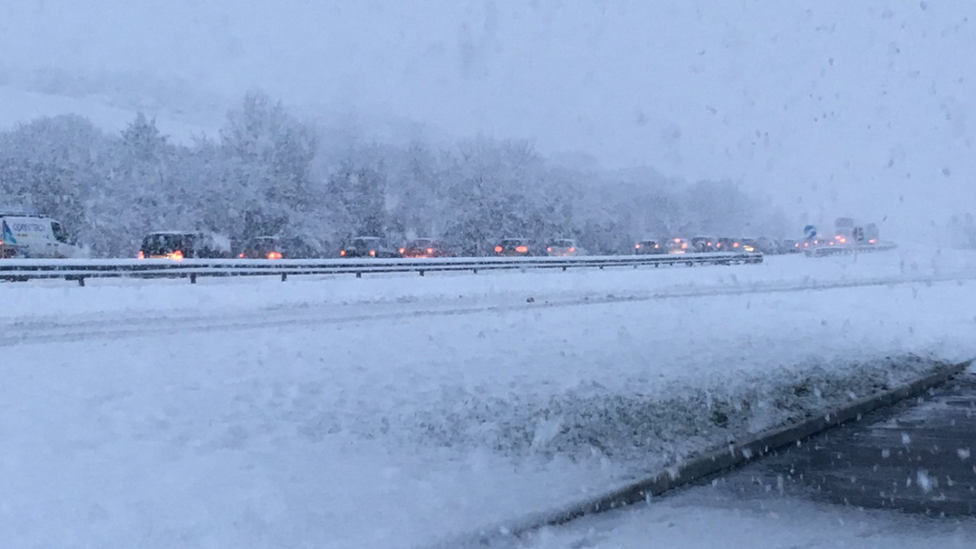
[284, 277]
[81, 281]
[193, 278]
[359, 274]
[421, 273]
[474, 271]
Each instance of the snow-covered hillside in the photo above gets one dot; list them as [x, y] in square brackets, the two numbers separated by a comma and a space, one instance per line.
[831, 107]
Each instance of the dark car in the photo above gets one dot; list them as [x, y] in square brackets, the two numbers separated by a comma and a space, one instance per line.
[516, 247]
[726, 244]
[648, 246]
[178, 245]
[425, 247]
[368, 246]
[790, 246]
[703, 244]
[263, 247]
[276, 247]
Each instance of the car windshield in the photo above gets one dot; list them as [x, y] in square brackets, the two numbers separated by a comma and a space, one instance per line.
[512, 242]
[562, 244]
[421, 243]
[164, 243]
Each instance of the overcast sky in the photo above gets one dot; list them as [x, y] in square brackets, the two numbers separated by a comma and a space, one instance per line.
[832, 107]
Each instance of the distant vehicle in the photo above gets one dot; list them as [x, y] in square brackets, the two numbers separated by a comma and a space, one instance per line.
[368, 246]
[425, 247]
[703, 244]
[564, 247]
[25, 233]
[263, 247]
[767, 245]
[678, 246]
[516, 247]
[844, 230]
[749, 245]
[872, 235]
[728, 245]
[649, 247]
[179, 245]
[276, 247]
[789, 246]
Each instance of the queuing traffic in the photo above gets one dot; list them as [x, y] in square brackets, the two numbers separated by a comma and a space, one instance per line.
[28, 234]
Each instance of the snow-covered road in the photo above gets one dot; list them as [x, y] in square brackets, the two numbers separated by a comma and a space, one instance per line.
[396, 411]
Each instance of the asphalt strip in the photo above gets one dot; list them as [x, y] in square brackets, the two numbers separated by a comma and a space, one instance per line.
[710, 463]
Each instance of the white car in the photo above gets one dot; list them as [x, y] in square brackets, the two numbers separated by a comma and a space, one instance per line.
[24, 233]
[564, 247]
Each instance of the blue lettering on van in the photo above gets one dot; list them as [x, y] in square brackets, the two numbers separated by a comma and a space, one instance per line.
[32, 227]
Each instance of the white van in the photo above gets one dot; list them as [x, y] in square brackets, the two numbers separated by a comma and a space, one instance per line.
[27, 234]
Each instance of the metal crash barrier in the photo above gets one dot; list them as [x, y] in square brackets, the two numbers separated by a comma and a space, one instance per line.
[81, 269]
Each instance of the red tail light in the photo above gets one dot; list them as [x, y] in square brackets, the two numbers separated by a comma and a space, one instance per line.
[402, 250]
[498, 249]
[636, 246]
[274, 255]
[176, 256]
[522, 249]
[140, 256]
[241, 255]
[572, 249]
[735, 245]
[430, 251]
[372, 253]
[548, 248]
[342, 253]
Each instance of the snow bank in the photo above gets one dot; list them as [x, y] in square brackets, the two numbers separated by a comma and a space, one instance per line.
[220, 421]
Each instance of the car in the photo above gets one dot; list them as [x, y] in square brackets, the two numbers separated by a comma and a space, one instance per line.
[648, 247]
[368, 246]
[516, 247]
[703, 244]
[749, 245]
[263, 247]
[767, 245]
[183, 244]
[564, 247]
[728, 245]
[790, 246]
[425, 247]
[678, 246]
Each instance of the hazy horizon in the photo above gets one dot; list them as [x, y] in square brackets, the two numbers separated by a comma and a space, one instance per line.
[829, 109]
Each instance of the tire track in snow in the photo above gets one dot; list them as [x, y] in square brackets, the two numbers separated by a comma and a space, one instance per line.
[24, 332]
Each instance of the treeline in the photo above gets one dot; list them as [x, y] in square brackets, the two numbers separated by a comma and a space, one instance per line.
[269, 173]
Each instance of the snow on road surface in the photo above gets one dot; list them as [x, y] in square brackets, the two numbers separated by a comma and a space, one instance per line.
[698, 519]
[399, 411]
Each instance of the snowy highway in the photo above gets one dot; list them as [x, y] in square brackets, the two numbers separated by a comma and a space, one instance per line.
[401, 411]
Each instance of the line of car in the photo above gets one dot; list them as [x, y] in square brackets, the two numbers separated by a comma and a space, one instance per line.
[708, 244]
[178, 245]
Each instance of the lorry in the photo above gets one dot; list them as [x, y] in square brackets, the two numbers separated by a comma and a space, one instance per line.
[25, 233]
